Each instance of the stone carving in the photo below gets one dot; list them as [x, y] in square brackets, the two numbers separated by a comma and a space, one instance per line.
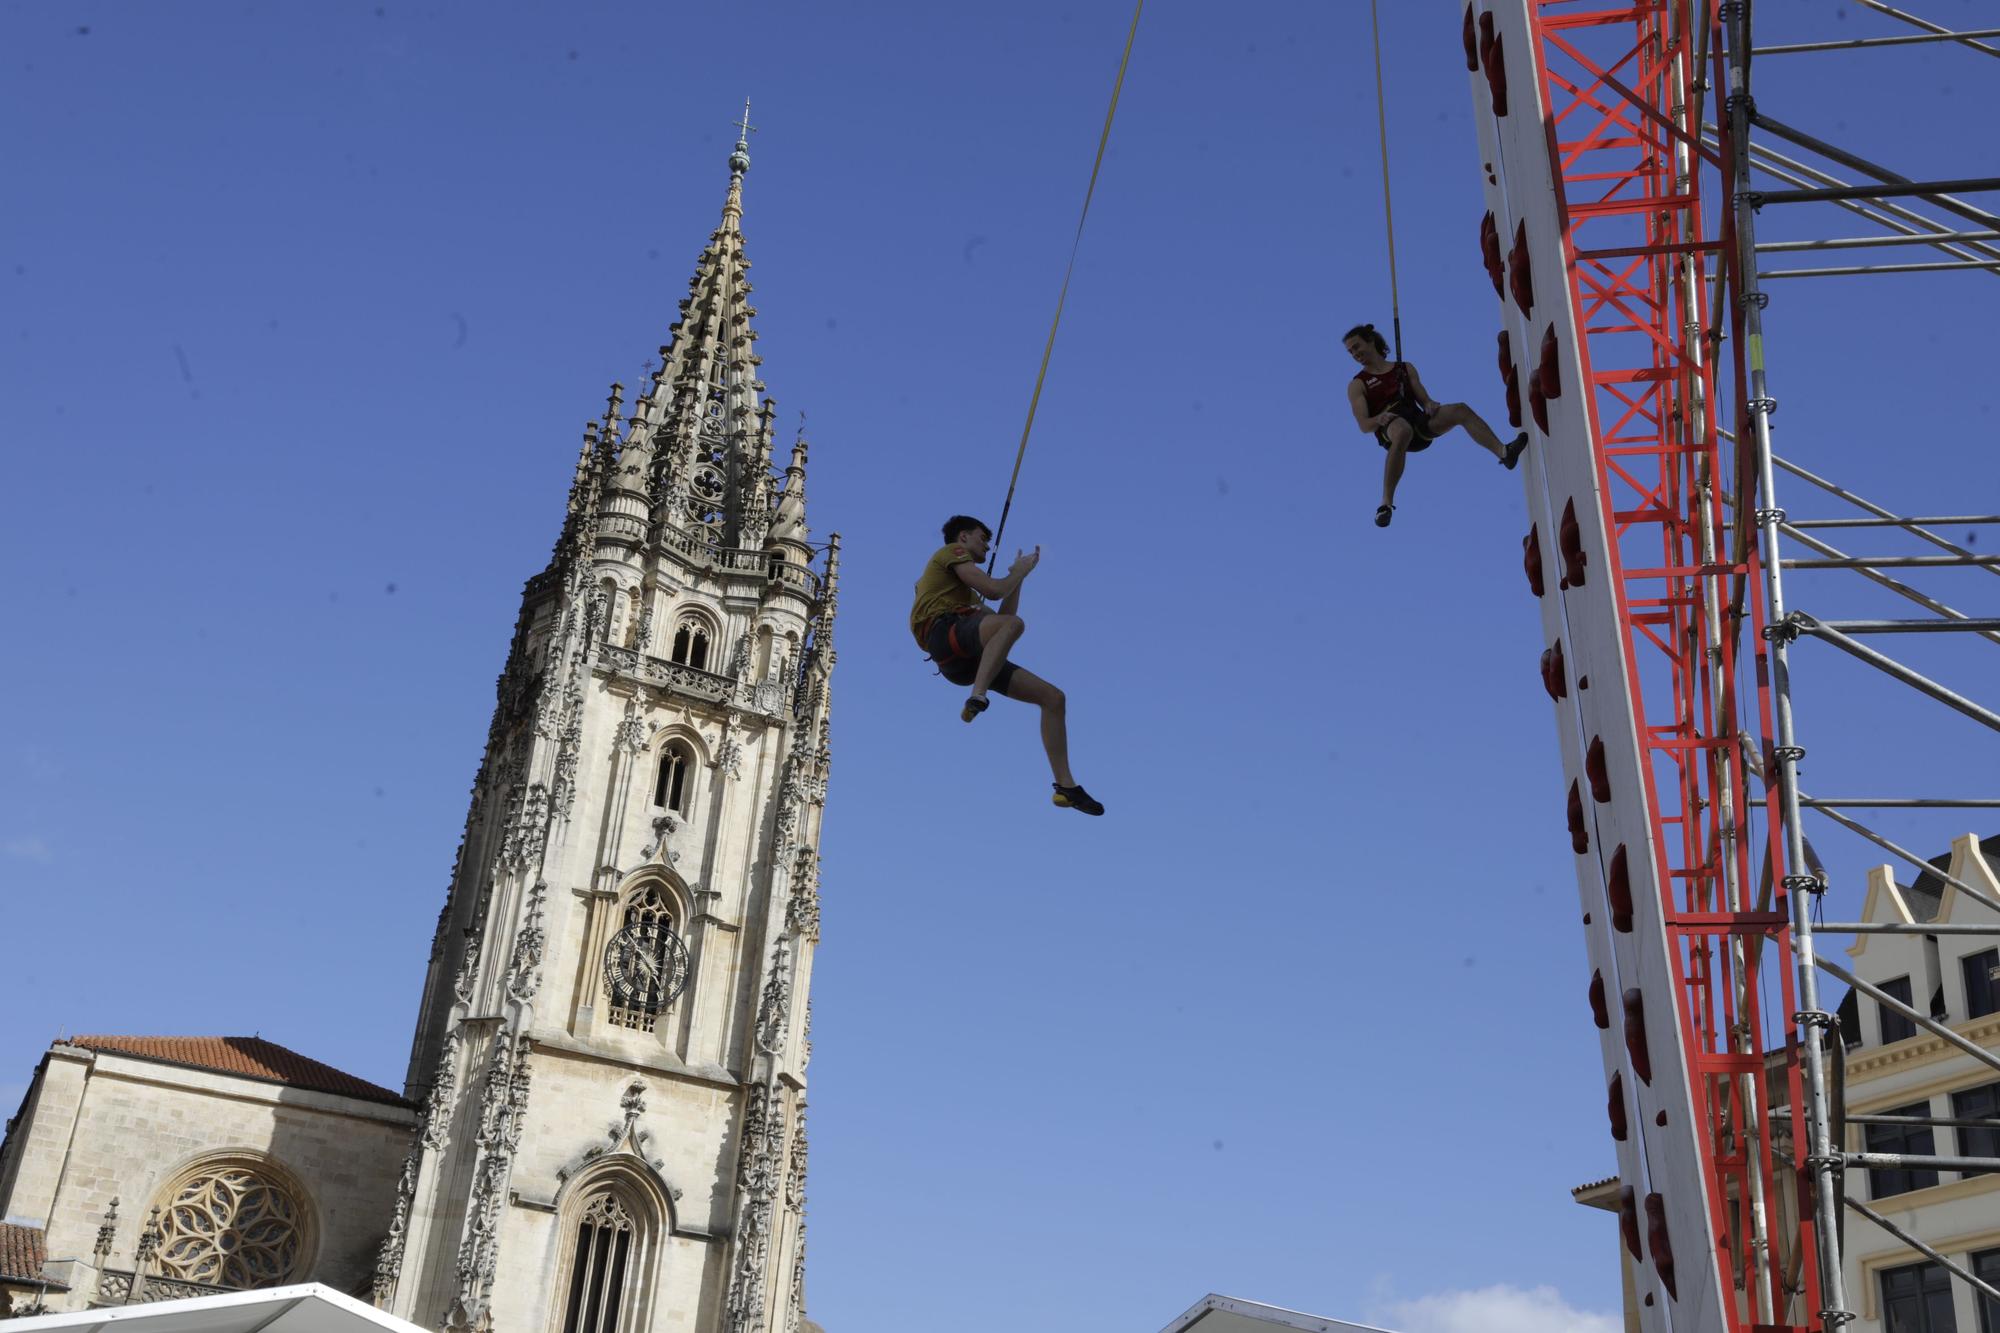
[564, 782]
[795, 1166]
[524, 969]
[689, 682]
[527, 830]
[623, 1134]
[664, 827]
[631, 735]
[468, 968]
[795, 1307]
[437, 1107]
[389, 1259]
[729, 757]
[756, 1175]
[774, 1009]
[502, 1111]
[107, 1235]
[231, 1226]
[643, 639]
[739, 659]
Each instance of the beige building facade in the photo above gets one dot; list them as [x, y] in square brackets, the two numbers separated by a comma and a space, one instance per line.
[1896, 1069]
[602, 1128]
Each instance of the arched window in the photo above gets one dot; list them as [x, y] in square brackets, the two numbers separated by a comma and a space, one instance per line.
[691, 644]
[646, 965]
[597, 1276]
[234, 1221]
[670, 789]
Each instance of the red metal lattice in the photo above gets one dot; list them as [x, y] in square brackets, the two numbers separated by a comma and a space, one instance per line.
[1625, 98]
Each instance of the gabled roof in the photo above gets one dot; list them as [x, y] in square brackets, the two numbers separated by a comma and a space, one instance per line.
[23, 1251]
[1927, 894]
[245, 1057]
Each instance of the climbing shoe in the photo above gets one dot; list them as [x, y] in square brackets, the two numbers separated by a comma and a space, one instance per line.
[974, 706]
[1076, 798]
[1511, 451]
[1383, 513]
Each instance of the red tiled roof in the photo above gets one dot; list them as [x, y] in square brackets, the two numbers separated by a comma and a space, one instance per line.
[23, 1250]
[250, 1057]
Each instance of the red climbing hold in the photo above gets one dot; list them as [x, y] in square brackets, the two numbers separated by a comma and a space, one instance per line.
[1569, 538]
[1618, 891]
[1549, 372]
[1579, 837]
[1509, 376]
[1471, 41]
[1493, 57]
[1538, 402]
[1531, 561]
[1489, 255]
[1598, 1013]
[1635, 1035]
[1514, 401]
[1628, 1219]
[1520, 279]
[1658, 1241]
[1615, 1104]
[1552, 671]
[1593, 768]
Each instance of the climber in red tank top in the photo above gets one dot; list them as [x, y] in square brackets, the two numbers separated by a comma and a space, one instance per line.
[1391, 403]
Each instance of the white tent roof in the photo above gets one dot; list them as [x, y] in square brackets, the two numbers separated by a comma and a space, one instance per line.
[1227, 1314]
[309, 1308]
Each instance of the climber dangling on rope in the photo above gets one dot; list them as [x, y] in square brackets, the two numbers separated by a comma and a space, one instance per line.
[969, 642]
[1391, 403]
[1388, 397]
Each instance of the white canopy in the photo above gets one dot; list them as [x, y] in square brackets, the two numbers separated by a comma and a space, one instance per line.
[310, 1308]
[1227, 1314]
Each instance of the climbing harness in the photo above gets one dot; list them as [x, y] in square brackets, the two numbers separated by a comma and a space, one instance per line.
[1035, 400]
[1388, 212]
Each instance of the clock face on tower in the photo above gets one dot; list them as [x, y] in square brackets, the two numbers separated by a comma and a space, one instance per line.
[645, 966]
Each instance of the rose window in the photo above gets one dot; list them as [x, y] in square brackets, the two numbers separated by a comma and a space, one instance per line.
[230, 1226]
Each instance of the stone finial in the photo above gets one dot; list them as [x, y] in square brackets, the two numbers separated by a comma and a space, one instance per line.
[107, 1234]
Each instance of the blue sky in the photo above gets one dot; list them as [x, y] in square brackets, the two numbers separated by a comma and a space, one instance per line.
[305, 308]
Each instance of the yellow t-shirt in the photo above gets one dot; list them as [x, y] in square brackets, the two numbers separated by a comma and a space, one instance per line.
[940, 590]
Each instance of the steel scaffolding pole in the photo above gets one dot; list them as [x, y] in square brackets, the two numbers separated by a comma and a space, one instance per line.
[1800, 889]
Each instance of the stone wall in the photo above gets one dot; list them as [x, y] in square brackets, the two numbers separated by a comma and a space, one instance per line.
[102, 1126]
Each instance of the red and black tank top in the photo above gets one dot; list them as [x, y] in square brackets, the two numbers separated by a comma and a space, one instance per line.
[1391, 386]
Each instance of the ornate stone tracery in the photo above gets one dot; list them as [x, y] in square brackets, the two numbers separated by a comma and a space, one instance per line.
[233, 1223]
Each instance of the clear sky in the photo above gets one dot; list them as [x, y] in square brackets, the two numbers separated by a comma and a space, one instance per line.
[303, 309]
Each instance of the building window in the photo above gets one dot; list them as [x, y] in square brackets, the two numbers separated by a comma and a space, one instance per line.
[1916, 1298]
[230, 1224]
[1982, 1103]
[670, 789]
[1982, 988]
[691, 644]
[1895, 1026]
[598, 1271]
[1986, 1267]
[1914, 1140]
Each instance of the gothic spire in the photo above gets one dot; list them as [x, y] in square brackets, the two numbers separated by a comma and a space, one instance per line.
[703, 414]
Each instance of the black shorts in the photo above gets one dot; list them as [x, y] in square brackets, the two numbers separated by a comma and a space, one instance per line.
[1420, 427]
[960, 666]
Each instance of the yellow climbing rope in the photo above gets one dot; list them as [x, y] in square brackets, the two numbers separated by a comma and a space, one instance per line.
[1048, 348]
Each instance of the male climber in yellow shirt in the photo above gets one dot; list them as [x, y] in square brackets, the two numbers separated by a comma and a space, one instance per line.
[970, 643]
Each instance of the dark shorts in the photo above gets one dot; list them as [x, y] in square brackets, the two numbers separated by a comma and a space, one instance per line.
[1420, 427]
[959, 667]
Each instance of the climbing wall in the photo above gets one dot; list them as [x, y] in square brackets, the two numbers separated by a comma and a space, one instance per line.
[1606, 811]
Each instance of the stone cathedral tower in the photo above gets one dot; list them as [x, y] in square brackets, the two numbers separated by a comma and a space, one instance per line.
[610, 1053]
